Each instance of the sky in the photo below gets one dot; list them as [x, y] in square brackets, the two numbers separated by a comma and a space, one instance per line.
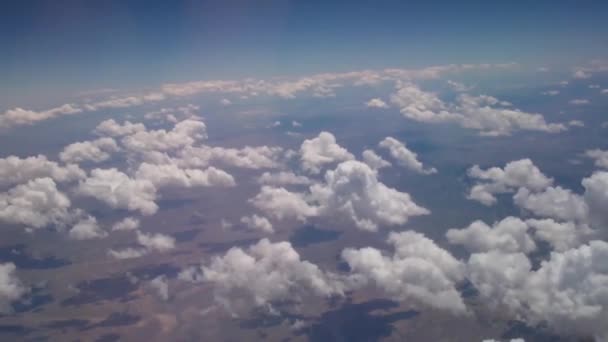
[303, 171]
[61, 47]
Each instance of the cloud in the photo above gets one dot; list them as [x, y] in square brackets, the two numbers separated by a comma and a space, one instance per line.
[15, 170]
[373, 160]
[113, 129]
[172, 175]
[579, 102]
[599, 157]
[515, 174]
[248, 157]
[128, 223]
[351, 190]
[567, 291]
[11, 287]
[262, 274]
[404, 156]
[96, 151]
[19, 116]
[281, 203]
[127, 253]
[418, 270]
[86, 229]
[35, 204]
[320, 151]
[560, 235]
[581, 74]
[283, 178]
[553, 202]
[185, 133]
[161, 286]
[376, 103]
[509, 236]
[551, 92]
[156, 242]
[118, 190]
[484, 113]
[259, 223]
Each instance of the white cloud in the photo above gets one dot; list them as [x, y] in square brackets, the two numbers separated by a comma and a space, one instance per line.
[15, 170]
[172, 175]
[551, 92]
[257, 222]
[581, 74]
[376, 103]
[96, 151]
[404, 156]
[128, 223]
[553, 202]
[515, 174]
[86, 229]
[483, 113]
[281, 203]
[127, 253]
[373, 160]
[161, 286]
[35, 204]
[113, 129]
[283, 178]
[225, 102]
[351, 190]
[320, 151]
[156, 242]
[579, 102]
[20, 116]
[596, 198]
[11, 287]
[120, 191]
[262, 274]
[600, 157]
[560, 235]
[418, 269]
[185, 133]
[567, 291]
[509, 236]
[257, 157]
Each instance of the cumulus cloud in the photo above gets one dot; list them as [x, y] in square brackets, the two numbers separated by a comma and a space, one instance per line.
[185, 133]
[156, 242]
[283, 178]
[352, 190]
[418, 270]
[320, 151]
[127, 253]
[96, 151]
[600, 157]
[86, 229]
[15, 170]
[579, 102]
[172, 175]
[113, 129]
[262, 274]
[373, 160]
[11, 287]
[486, 114]
[35, 204]
[515, 174]
[19, 116]
[404, 156]
[509, 236]
[248, 157]
[553, 202]
[567, 291]
[376, 103]
[161, 286]
[257, 222]
[128, 223]
[118, 190]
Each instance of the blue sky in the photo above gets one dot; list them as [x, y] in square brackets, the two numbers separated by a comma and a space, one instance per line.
[59, 47]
